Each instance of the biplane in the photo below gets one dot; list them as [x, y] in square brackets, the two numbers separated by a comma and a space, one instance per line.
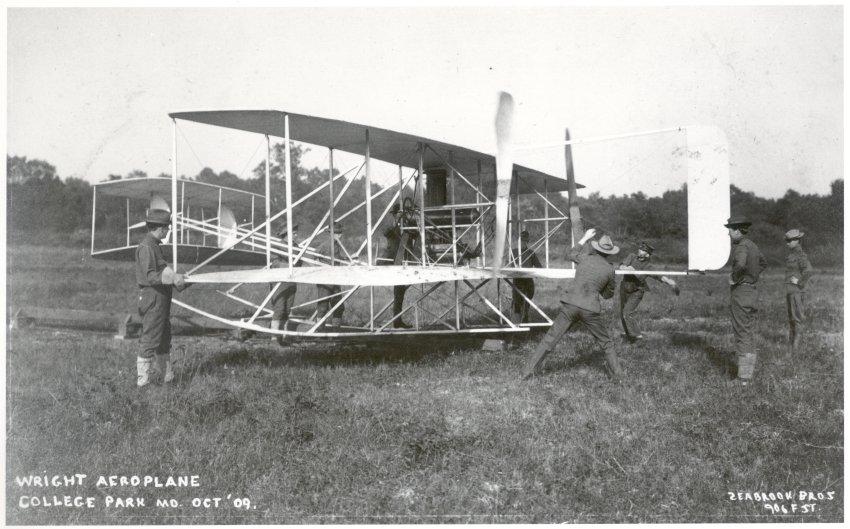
[456, 210]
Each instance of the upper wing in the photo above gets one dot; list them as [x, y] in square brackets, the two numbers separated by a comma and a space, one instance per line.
[397, 148]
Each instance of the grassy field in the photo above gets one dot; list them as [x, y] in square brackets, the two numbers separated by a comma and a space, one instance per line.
[427, 432]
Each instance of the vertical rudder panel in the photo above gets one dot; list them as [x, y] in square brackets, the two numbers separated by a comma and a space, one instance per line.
[708, 198]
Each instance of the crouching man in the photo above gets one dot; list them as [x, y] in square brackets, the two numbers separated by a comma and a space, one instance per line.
[155, 279]
[581, 306]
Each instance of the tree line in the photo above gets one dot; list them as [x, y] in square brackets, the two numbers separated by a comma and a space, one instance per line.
[43, 208]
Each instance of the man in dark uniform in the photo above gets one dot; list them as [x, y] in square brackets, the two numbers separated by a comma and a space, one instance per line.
[525, 285]
[399, 242]
[594, 277]
[747, 265]
[633, 287]
[798, 270]
[155, 279]
[284, 297]
[322, 307]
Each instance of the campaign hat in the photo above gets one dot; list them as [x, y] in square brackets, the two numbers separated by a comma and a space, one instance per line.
[605, 245]
[646, 247]
[737, 221]
[794, 234]
[159, 217]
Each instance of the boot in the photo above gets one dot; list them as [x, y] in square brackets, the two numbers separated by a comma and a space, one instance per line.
[401, 324]
[143, 371]
[614, 369]
[336, 321]
[795, 342]
[275, 326]
[163, 364]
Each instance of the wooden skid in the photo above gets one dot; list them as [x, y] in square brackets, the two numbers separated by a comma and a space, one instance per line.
[126, 324]
[353, 333]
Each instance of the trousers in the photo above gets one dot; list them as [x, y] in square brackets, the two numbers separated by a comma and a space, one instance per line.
[323, 307]
[281, 303]
[629, 302]
[744, 311]
[155, 310]
[569, 318]
[519, 304]
[398, 298]
[795, 303]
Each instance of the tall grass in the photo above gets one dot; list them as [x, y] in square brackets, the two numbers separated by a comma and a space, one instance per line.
[428, 431]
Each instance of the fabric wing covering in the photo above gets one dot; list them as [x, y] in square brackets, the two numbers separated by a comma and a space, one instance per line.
[389, 146]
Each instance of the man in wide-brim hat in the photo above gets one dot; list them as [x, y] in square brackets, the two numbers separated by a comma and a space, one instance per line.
[580, 306]
[155, 280]
[747, 265]
[633, 287]
[798, 270]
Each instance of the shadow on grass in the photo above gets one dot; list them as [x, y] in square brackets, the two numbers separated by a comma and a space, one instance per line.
[594, 360]
[722, 360]
[414, 350]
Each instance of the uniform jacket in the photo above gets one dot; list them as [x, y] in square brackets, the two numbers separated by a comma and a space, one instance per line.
[282, 261]
[633, 283]
[149, 262]
[392, 254]
[324, 247]
[594, 277]
[747, 262]
[529, 258]
[797, 265]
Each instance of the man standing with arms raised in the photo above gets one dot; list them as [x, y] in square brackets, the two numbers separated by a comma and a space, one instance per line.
[580, 306]
[633, 287]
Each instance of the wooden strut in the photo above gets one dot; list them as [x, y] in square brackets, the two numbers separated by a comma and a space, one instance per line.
[257, 228]
[529, 301]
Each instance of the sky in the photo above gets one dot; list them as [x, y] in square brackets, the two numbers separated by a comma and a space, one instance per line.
[89, 90]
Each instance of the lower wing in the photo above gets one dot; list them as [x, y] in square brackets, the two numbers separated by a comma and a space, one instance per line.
[388, 275]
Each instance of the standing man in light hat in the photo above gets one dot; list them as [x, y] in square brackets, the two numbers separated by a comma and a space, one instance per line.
[632, 288]
[155, 280]
[798, 270]
[747, 265]
[580, 306]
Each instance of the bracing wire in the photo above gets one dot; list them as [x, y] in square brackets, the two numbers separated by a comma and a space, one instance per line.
[248, 163]
[188, 144]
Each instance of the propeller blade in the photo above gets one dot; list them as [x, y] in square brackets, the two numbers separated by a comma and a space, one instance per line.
[504, 172]
[577, 226]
